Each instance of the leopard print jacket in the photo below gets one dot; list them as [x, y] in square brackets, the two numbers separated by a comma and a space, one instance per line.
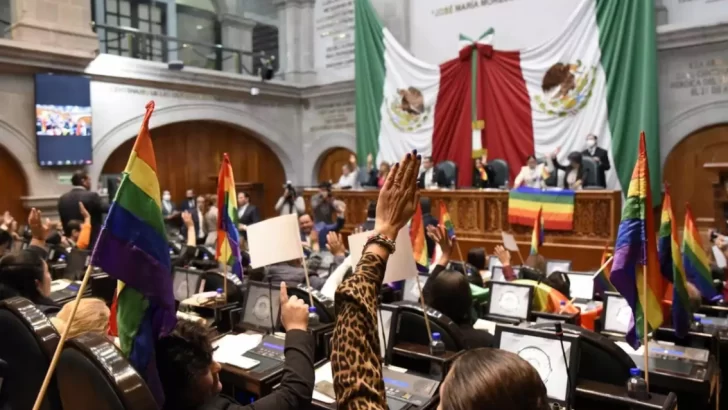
[355, 360]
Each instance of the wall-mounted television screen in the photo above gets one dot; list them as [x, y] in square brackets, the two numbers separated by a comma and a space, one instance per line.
[63, 120]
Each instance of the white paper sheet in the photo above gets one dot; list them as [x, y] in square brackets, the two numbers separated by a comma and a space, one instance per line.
[274, 240]
[231, 347]
[400, 266]
[509, 242]
[323, 373]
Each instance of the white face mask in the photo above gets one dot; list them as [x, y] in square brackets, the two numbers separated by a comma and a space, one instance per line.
[591, 143]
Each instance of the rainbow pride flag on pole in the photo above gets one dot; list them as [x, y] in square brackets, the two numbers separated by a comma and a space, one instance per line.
[670, 262]
[537, 236]
[132, 247]
[446, 221]
[557, 208]
[696, 262]
[636, 254]
[419, 244]
[228, 238]
[601, 279]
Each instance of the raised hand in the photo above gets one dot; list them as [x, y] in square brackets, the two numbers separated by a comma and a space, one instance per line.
[503, 255]
[439, 235]
[187, 219]
[84, 213]
[335, 244]
[38, 227]
[294, 312]
[7, 219]
[398, 197]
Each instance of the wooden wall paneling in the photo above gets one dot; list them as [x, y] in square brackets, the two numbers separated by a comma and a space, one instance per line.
[684, 172]
[331, 162]
[189, 153]
[13, 187]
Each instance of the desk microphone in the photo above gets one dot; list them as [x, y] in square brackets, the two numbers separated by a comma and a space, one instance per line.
[560, 333]
[270, 306]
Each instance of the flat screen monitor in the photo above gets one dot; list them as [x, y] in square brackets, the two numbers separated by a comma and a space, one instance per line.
[510, 300]
[63, 120]
[497, 274]
[555, 265]
[617, 313]
[387, 317]
[262, 303]
[411, 291]
[186, 283]
[581, 285]
[543, 350]
[493, 261]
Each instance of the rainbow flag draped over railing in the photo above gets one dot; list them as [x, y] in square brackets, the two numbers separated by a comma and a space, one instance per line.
[419, 244]
[635, 253]
[695, 261]
[558, 207]
[228, 238]
[132, 247]
[671, 264]
[537, 236]
[601, 279]
[446, 221]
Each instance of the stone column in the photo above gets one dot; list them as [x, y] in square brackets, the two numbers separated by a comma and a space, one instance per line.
[64, 24]
[295, 39]
[237, 32]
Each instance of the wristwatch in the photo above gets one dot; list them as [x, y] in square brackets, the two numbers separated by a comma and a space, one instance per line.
[381, 240]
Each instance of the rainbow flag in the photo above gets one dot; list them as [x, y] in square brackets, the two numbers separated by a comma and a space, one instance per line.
[419, 244]
[228, 239]
[696, 262]
[601, 279]
[446, 221]
[558, 208]
[670, 259]
[636, 253]
[132, 247]
[537, 235]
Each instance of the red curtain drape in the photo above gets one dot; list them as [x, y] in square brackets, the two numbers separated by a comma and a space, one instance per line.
[503, 103]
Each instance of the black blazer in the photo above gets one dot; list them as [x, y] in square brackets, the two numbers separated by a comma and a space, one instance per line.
[478, 181]
[68, 210]
[579, 175]
[251, 215]
[188, 205]
[602, 166]
[437, 175]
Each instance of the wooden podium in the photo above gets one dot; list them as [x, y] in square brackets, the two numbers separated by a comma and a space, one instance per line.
[719, 180]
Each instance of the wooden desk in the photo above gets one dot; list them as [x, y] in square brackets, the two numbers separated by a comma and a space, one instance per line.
[480, 215]
[720, 193]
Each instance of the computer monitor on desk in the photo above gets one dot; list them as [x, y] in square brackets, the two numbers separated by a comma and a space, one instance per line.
[559, 265]
[497, 273]
[509, 302]
[262, 303]
[493, 261]
[581, 286]
[186, 283]
[387, 318]
[543, 350]
[617, 314]
[411, 291]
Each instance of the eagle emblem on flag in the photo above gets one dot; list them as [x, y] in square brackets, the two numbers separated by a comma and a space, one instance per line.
[567, 88]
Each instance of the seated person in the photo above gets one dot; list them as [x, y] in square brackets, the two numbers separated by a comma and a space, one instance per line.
[534, 175]
[25, 273]
[187, 254]
[536, 262]
[292, 272]
[313, 235]
[477, 258]
[80, 236]
[190, 376]
[368, 225]
[6, 242]
[480, 379]
[574, 177]
[92, 316]
[349, 174]
[376, 177]
[448, 291]
[483, 174]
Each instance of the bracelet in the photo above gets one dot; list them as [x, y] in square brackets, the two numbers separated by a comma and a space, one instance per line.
[382, 241]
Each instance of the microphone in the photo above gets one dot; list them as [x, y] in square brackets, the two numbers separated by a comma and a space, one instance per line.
[270, 306]
[560, 333]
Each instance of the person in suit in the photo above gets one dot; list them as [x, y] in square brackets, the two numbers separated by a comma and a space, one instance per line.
[69, 210]
[431, 177]
[368, 225]
[248, 213]
[573, 173]
[198, 219]
[483, 174]
[599, 155]
[189, 204]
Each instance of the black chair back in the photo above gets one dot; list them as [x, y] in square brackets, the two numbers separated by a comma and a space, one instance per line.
[93, 375]
[601, 359]
[213, 281]
[501, 171]
[450, 170]
[324, 305]
[590, 172]
[27, 345]
[412, 327]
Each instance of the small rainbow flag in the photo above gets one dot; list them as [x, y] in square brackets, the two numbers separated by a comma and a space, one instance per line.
[558, 207]
[419, 244]
[228, 238]
[446, 221]
[635, 253]
[670, 259]
[696, 262]
[601, 279]
[133, 248]
[537, 236]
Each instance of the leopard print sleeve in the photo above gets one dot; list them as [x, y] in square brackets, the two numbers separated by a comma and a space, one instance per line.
[355, 360]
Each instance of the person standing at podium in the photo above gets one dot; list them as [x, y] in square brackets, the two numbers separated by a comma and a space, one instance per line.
[600, 156]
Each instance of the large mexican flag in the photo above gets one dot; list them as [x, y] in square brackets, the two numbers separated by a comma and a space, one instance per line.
[599, 75]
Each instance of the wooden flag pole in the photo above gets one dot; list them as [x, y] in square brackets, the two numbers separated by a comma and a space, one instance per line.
[646, 351]
[64, 335]
[224, 281]
[457, 246]
[424, 310]
[308, 281]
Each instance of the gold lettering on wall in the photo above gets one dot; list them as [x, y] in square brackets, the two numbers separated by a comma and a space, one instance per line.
[333, 115]
[703, 77]
[465, 6]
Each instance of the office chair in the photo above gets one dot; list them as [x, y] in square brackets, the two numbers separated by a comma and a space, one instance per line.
[450, 170]
[500, 168]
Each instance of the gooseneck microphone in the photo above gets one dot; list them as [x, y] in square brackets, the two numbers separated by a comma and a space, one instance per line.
[270, 306]
[560, 333]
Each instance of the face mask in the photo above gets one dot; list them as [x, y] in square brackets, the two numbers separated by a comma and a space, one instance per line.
[166, 197]
[591, 143]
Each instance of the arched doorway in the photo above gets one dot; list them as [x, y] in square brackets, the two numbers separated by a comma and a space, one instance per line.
[189, 155]
[331, 162]
[14, 186]
[684, 172]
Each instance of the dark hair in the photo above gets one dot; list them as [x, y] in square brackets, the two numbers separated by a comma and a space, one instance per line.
[372, 209]
[73, 224]
[452, 296]
[425, 205]
[560, 281]
[593, 135]
[494, 379]
[245, 194]
[533, 157]
[476, 257]
[537, 262]
[427, 157]
[575, 157]
[182, 356]
[78, 178]
[5, 238]
[19, 272]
